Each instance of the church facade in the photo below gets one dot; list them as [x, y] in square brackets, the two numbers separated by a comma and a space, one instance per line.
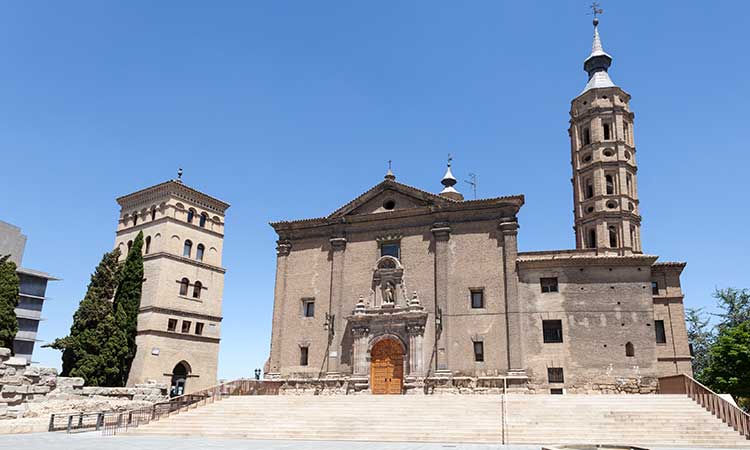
[402, 289]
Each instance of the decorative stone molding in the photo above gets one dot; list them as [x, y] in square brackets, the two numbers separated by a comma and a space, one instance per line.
[441, 231]
[415, 329]
[508, 226]
[338, 243]
[283, 247]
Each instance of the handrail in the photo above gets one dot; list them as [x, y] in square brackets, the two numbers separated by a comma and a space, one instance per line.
[708, 399]
[111, 422]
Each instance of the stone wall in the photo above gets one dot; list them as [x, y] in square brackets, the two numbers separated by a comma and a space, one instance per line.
[27, 391]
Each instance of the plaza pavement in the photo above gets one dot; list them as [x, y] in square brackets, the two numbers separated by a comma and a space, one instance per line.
[95, 441]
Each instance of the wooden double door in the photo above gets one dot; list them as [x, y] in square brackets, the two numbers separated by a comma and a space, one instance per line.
[386, 367]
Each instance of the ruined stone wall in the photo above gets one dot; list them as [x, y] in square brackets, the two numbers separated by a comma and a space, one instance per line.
[27, 391]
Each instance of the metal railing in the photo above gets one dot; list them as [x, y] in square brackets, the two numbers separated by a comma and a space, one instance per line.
[708, 399]
[110, 423]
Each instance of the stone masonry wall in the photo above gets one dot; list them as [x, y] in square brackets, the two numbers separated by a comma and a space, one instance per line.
[27, 391]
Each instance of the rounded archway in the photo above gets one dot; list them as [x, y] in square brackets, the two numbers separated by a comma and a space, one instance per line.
[179, 379]
[387, 367]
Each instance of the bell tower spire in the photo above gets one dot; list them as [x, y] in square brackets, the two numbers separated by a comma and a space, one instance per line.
[603, 153]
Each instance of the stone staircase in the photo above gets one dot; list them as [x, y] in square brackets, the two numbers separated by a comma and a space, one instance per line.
[667, 420]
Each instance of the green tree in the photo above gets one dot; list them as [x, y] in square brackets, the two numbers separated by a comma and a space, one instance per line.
[8, 302]
[729, 367]
[736, 306]
[82, 348]
[701, 338]
[126, 305]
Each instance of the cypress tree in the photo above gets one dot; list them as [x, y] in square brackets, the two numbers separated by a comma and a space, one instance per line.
[8, 302]
[82, 348]
[126, 305]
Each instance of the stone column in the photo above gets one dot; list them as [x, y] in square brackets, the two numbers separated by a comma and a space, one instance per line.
[283, 248]
[441, 233]
[359, 357]
[509, 231]
[416, 337]
[338, 246]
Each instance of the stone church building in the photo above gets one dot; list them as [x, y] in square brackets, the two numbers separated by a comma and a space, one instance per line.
[403, 289]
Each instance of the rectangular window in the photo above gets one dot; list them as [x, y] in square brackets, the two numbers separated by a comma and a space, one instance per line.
[552, 330]
[661, 335]
[390, 249]
[477, 298]
[556, 391]
[548, 284]
[172, 325]
[199, 328]
[586, 136]
[186, 326]
[626, 131]
[555, 375]
[589, 189]
[308, 307]
[478, 351]
[303, 356]
[655, 287]
[607, 131]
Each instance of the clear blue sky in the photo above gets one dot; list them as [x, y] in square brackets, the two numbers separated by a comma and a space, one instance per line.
[290, 109]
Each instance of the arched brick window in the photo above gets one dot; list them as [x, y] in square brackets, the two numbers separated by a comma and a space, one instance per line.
[147, 248]
[197, 289]
[202, 222]
[187, 249]
[629, 349]
[199, 252]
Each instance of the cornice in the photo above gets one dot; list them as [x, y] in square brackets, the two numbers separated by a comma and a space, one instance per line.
[180, 336]
[605, 164]
[573, 258]
[175, 189]
[179, 312]
[182, 259]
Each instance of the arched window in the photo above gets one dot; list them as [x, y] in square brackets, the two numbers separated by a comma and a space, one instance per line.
[153, 213]
[629, 349]
[147, 247]
[187, 249]
[202, 222]
[191, 214]
[199, 252]
[179, 378]
[610, 184]
[613, 237]
[197, 289]
[135, 218]
[130, 245]
[184, 285]
[592, 238]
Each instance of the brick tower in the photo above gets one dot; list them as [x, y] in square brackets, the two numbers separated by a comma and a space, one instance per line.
[603, 158]
[179, 323]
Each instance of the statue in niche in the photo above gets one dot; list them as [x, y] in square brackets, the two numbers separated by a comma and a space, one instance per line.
[390, 293]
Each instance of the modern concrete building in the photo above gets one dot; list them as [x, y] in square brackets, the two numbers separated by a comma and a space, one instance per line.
[405, 289]
[179, 324]
[32, 287]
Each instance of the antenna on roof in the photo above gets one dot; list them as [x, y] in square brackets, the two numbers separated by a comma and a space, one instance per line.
[473, 182]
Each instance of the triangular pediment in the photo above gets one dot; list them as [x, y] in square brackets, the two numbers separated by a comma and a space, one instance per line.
[390, 196]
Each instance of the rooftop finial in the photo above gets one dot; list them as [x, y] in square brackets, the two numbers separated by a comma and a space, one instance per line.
[449, 181]
[596, 10]
[389, 175]
[598, 61]
[179, 175]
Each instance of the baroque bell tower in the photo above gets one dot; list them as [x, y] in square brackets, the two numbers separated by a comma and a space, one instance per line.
[603, 155]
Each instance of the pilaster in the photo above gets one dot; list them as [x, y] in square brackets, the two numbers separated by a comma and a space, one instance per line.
[416, 339]
[509, 230]
[283, 248]
[359, 356]
[441, 232]
[338, 249]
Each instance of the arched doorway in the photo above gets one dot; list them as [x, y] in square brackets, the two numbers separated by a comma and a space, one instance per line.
[386, 367]
[179, 378]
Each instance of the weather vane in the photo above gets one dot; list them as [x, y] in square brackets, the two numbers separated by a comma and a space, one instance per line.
[596, 10]
[450, 159]
[179, 173]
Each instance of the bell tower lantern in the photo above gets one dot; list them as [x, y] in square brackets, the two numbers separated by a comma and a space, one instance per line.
[603, 159]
